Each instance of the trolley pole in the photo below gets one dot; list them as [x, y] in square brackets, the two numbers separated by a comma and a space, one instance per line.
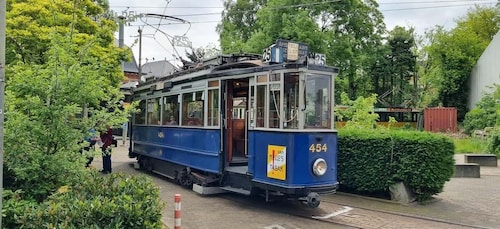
[3, 5]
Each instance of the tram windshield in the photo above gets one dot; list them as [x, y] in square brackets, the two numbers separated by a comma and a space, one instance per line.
[317, 108]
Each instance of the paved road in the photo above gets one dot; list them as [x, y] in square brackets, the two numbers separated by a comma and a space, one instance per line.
[465, 202]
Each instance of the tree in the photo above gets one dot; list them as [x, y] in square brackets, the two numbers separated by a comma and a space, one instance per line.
[348, 32]
[238, 23]
[395, 70]
[451, 55]
[359, 113]
[30, 23]
[61, 61]
[199, 54]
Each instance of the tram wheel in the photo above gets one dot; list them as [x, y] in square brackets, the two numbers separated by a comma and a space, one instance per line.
[183, 178]
[313, 200]
[145, 164]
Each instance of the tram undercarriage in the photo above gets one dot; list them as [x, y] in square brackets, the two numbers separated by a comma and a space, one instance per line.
[235, 179]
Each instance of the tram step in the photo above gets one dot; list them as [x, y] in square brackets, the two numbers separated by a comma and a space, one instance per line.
[237, 190]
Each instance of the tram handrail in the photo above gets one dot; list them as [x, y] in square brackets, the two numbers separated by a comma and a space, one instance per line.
[246, 132]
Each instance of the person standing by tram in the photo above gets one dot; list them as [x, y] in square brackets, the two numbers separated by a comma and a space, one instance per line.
[107, 141]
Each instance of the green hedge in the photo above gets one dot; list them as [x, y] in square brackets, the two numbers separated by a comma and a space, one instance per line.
[372, 160]
[111, 201]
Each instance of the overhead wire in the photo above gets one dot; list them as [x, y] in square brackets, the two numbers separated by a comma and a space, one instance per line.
[477, 2]
[380, 3]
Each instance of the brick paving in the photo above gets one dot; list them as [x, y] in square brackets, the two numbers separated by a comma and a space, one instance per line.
[465, 202]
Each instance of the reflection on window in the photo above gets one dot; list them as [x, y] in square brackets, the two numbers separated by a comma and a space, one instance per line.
[274, 106]
[192, 109]
[261, 101]
[239, 107]
[317, 97]
[291, 98]
[213, 107]
[140, 117]
[170, 110]
[153, 110]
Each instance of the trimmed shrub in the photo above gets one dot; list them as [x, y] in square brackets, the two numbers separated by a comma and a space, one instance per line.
[371, 161]
[111, 201]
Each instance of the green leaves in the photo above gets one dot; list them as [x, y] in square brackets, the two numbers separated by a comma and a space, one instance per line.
[112, 201]
[372, 160]
[452, 55]
[348, 32]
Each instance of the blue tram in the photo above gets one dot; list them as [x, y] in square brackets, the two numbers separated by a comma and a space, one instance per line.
[242, 123]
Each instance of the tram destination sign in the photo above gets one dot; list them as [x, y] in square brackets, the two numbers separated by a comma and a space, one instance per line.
[292, 51]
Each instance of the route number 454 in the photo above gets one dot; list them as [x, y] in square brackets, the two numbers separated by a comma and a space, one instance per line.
[317, 148]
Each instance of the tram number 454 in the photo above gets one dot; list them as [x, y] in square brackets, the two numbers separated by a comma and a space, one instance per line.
[318, 148]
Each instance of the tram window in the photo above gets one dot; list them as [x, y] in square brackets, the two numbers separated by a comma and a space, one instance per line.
[274, 106]
[274, 77]
[239, 107]
[170, 115]
[317, 97]
[213, 107]
[261, 101]
[291, 100]
[192, 109]
[153, 110]
[140, 118]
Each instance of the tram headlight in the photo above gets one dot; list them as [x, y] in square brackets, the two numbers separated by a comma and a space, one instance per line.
[319, 167]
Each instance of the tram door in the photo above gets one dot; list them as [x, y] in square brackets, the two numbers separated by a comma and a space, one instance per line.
[237, 91]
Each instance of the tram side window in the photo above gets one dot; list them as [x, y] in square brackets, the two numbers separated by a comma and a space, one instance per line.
[140, 117]
[317, 97]
[192, 109]
[213, 107]
[153, 110]
[291, 102]
[274, 106]
[260, 104]
[170, 110]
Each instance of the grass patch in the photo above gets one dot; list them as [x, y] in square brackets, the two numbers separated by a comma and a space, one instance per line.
[470, 145]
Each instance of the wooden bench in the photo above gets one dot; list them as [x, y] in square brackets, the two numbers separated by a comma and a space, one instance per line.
[472, 170]
[482, 159]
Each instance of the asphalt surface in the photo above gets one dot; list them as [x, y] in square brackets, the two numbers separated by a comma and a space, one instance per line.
[464, 203]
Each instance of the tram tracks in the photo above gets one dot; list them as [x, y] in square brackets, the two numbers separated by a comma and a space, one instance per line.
[335, 214]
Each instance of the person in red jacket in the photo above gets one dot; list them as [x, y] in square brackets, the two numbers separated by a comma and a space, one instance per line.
[107, 140]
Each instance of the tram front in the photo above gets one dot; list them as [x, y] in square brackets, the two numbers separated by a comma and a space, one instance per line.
[292, 143]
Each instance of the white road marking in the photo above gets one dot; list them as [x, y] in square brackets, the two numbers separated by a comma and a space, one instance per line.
[335, 213]
[274, 227]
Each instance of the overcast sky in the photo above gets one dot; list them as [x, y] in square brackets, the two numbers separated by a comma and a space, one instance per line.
[204, 16]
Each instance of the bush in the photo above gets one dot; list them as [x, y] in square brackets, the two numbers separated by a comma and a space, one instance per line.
[494, 141]
[13, 207]
[485, 113]
[372, 160]
[112, 201]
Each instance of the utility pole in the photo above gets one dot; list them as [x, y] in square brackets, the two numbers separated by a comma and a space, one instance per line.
[3, 5]
[140, 53]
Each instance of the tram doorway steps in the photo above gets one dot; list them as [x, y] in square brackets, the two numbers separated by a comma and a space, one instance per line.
[203, 190]
[237, 180]
[237, 190]
[238, 161]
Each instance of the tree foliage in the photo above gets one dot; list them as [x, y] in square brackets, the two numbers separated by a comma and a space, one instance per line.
[30, 24]
[394, 72]
[348, 32]
[452, 55]
[62, 60]
[358, 113]
[485, 114]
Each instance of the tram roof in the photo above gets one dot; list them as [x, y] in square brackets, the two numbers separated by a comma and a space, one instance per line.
[220, 67]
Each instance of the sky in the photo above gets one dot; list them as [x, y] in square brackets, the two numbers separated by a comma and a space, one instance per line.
[195, 21]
